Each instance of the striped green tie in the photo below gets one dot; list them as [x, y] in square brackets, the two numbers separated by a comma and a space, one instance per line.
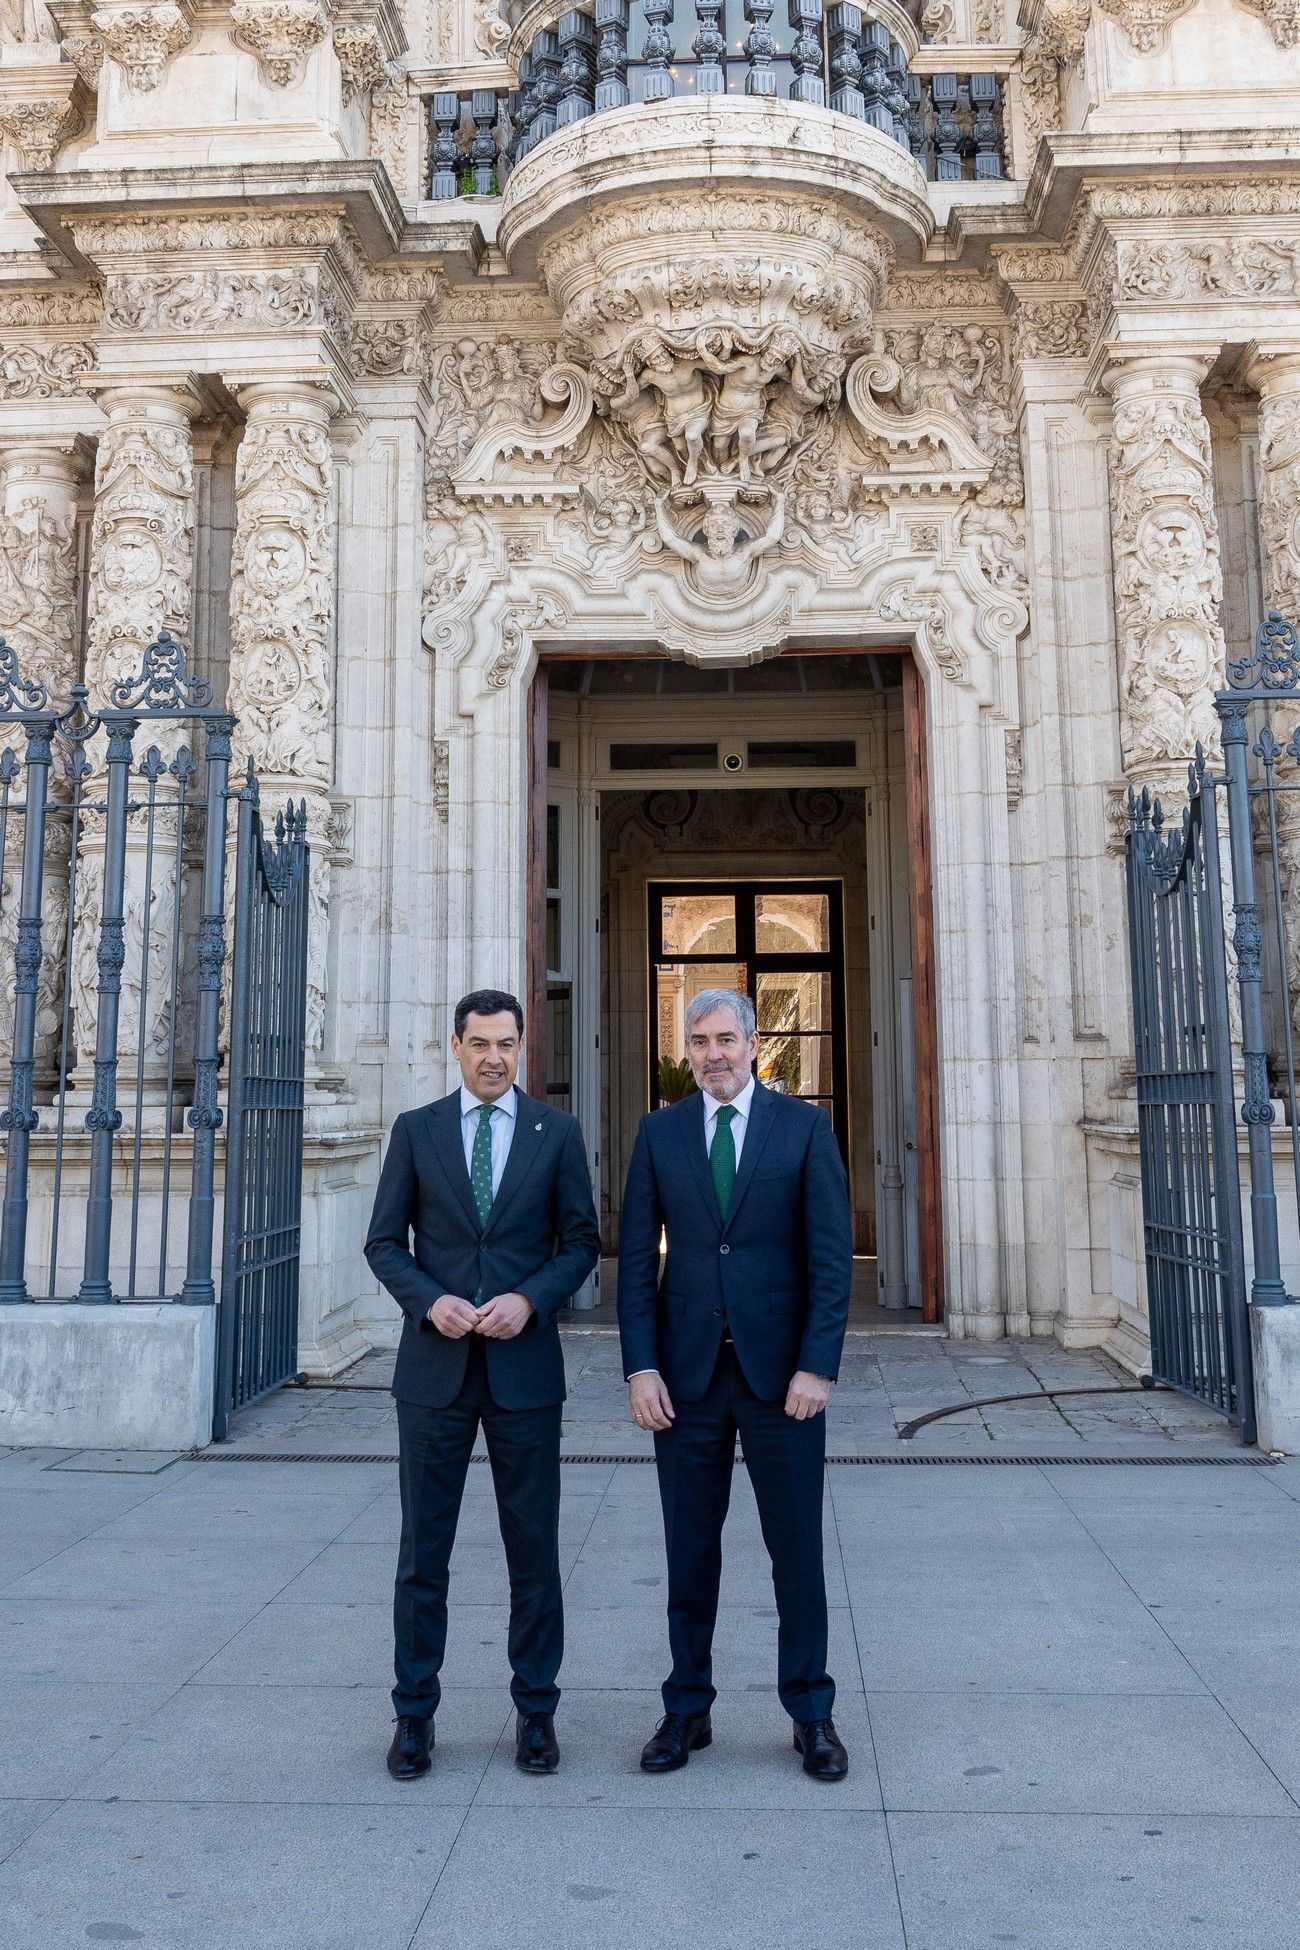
[480, 1172]
[722, 1160]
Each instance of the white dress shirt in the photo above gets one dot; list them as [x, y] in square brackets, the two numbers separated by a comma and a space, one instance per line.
[503, 1129]
[739, 1125]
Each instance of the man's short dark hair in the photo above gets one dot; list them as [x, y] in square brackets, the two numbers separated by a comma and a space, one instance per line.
[487, 1002]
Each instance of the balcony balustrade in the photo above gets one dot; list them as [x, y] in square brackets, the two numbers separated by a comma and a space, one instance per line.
[623, 53]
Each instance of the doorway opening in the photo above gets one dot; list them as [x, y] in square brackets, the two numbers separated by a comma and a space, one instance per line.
[761, 828]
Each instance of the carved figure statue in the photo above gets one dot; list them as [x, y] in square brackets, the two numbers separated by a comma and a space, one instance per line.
[721, 566]
[739, 410]
[686, 402]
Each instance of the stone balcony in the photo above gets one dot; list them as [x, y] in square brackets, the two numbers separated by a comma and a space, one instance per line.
[839, 83]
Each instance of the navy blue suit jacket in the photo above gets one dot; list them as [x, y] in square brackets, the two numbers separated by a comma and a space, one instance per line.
[777, 1273]
[541, 1240]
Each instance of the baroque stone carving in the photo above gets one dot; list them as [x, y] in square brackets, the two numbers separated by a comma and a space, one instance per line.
[39, 126]
[1168, 586]
[1055, 328]
[1054, 42]
[491, 32]
[38, 588]
[1282, 18]
[141, 537]
[43, 371]
[281, 591]
[142, 40]
[938, 22]
[1146, 22]
[198, 301]
[716, 328]
[393, 114]
[362, 57]
[280, 33]
[960, 373]
[1279, 497]
[1230, 267]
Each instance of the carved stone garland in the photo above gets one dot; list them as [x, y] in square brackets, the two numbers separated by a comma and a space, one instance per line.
[1168, 585]
[281, 618]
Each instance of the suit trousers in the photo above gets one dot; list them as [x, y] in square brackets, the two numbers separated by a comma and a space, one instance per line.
[786, 1462]
[523, 1446]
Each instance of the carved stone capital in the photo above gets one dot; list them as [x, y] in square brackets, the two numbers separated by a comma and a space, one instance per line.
[142, 40]
[280, 33]
[1281, 17]
[40, 107]
[368, 40]
[1146, 22]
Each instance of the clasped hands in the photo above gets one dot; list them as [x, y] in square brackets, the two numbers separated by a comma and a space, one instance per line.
[504, 1316]
[652, 1406]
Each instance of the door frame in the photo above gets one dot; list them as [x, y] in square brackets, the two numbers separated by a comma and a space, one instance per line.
[920, 907]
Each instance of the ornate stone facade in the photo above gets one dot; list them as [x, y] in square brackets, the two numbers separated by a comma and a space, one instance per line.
[377, 391]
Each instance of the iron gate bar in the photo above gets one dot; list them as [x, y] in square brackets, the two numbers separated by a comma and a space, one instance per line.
[258, 1316]
[1186, 1122]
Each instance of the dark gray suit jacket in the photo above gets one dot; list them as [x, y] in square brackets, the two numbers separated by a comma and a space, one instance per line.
[541, 1240]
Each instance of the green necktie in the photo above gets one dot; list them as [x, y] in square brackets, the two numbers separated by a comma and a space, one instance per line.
[480, 1164]
[480, 1172]
[722, 1160]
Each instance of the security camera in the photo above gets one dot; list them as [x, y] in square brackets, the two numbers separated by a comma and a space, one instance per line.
[733, 761]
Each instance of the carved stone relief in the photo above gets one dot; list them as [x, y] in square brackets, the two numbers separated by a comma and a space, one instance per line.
[1146, 22]
[1054, 43]
[1168, 586]
[1231, 267]
[141, 546]
[142, 40]
[1282, 18]
[44, 371]
[281, 33]
[281, 586]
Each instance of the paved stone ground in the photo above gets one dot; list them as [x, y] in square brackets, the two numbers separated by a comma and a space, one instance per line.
[1069, 1692]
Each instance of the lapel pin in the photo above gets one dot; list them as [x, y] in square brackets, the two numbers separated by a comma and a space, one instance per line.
[537, 1127]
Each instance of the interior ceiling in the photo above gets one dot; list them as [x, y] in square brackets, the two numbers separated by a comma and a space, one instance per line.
[784, 676]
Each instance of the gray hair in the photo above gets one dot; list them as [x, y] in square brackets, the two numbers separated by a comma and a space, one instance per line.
[708, 1000]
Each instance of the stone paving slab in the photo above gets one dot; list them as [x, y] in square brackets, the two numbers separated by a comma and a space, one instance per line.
[1069, 1693]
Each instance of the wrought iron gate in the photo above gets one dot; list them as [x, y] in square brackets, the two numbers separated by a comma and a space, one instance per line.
[257, 1326]
[1192, 1061]
[1191, 1194]
[114, 890]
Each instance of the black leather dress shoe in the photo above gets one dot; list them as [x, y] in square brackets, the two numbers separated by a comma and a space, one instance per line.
[822, 1749]
[674, 1741]
[535, 1748]
[408, 1757]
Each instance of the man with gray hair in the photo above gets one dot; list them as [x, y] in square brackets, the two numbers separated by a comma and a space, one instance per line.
[739, 1334]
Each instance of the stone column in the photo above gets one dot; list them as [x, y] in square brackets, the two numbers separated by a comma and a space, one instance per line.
[281, 625]
[1278, 380]
[140, 582]
[38, 617]
[1167, 581]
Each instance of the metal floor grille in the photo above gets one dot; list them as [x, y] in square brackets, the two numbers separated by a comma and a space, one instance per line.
[1234, 1460]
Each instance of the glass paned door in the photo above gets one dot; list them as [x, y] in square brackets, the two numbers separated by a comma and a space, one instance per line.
[779, 942]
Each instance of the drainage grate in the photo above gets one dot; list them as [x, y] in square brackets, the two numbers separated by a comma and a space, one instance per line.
[1240, 1461]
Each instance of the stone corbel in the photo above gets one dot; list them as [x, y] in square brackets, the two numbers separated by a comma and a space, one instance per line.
[41, 105]
[368, 40]
[926, 449]
[142, 40]
[78, 40]
[1281, 17]
[565, 386]
[1147, 22]
[280, 33]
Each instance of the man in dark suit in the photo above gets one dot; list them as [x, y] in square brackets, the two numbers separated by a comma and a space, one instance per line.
[741, 1333]
[495, 1188]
